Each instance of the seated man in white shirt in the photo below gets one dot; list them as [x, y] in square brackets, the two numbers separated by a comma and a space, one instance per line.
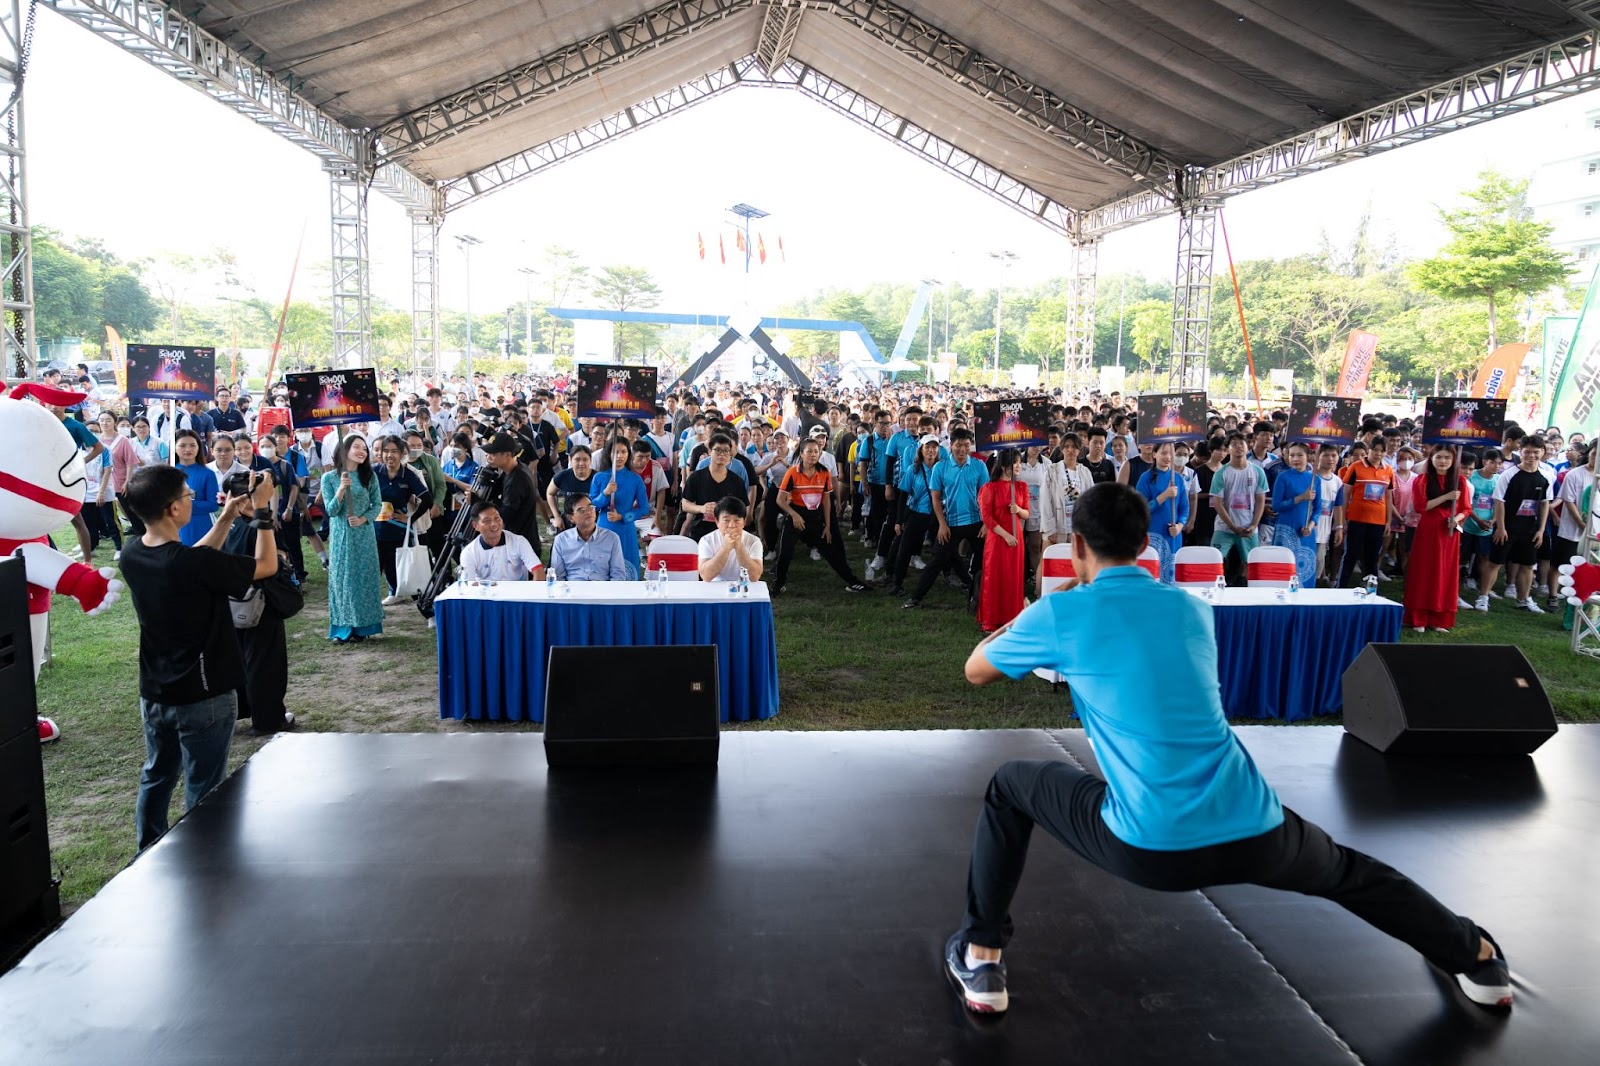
[495, 554]
[727, 548]
[584, 551]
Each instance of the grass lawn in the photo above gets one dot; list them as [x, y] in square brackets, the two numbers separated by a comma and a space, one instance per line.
[844, 662]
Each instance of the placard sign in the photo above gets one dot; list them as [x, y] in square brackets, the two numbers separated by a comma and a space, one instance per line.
[1169, 417]
[608, 391]
[171, 372]
[1324, 419]
[333, 397]
[1019, 423]
[1451, 420]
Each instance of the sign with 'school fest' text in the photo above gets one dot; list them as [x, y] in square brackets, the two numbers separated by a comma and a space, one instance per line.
[607, 391]
[1451, 420]
[333, 397]
[1324, 419]
[1019, 423]
[1170, 417]
[171, 372]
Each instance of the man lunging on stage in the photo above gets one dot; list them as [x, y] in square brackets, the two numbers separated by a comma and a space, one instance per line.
[1182, 805]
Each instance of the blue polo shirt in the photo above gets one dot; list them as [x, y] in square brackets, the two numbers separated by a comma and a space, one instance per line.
[874, 451]
[958, 486]
[1176, 776]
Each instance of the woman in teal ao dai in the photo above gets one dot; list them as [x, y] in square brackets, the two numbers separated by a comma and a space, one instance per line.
[355, 582]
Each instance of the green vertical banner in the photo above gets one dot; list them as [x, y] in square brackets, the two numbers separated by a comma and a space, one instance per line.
[1557, 342]
[1573, 403]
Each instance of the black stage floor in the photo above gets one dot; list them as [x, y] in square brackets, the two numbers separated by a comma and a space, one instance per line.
[447, 899]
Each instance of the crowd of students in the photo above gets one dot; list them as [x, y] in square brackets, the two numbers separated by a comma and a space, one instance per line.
[895, 469]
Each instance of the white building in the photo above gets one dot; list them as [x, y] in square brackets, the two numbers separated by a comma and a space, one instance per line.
[1565, 190]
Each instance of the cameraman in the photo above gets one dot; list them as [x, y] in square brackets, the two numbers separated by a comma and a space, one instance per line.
[189, 663]
[519, 497]
[264, 646]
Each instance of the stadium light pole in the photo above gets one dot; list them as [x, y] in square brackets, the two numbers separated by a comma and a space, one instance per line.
[528, 274]
[931, 281]
[466, 242]
[1005, 259]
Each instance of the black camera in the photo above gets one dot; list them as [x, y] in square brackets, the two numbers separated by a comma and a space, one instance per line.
[238, 484]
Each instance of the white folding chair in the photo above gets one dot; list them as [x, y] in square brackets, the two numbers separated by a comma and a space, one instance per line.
[1150, 561]
[1197, 566]
[1056, 570]
[1270, 567]
[681, 554]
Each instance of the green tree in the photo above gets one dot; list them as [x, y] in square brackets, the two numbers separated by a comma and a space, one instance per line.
[1496, 250]
[625, 288]
[1438, 338]
[1150, 331]
[64, 299]
[1044, 334]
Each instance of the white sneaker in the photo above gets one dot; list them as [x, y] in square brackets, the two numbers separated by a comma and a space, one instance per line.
[873, 567]
[1471, 584]
[390, 601]
[1481, 604]
[770, 557]
[430, 623]
[916, 561]
[816, 556]
[1462, 604]
[116, 556]
[1529, 606]
[1382, 576]
[1419, 629]
[1492, 594]
[1542, 590]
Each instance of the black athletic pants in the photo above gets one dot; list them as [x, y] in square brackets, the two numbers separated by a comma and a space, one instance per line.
[947, 555]
[1297, 856]
[888, 540]
[266, 673]
[832, 551]
[914, 529]
[880, 512]
[1362, 543]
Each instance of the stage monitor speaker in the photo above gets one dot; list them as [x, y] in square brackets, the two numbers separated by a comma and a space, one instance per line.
[1446, 699]
[611, 705]
[29, 898]
[17, 708]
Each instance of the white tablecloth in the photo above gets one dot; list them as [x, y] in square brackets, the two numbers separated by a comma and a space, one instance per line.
[1259, 597]
[604, 592]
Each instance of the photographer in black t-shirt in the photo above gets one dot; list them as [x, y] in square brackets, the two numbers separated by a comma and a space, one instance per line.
[189, 663]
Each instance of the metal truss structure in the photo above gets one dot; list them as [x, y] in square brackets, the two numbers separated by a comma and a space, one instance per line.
[779, 27]
[425, 290]
[20, 346]
[1078, 368]
[352, 306]
[1191, 291]
[1540, 76]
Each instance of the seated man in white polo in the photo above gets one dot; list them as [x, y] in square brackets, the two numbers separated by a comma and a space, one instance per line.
[727, 548]
[584, 551]
[496, 554]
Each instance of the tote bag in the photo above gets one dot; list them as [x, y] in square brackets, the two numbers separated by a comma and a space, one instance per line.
[411, 565]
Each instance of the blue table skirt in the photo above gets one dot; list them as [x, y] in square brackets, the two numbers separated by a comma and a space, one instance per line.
[493, 655]
[1280, 661]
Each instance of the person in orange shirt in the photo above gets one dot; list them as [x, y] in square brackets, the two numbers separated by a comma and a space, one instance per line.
[806, 498]
[1368, 510]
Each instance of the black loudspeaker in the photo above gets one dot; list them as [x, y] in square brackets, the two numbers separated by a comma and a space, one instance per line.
[1446, 699]
[611, 705]
[29, 899]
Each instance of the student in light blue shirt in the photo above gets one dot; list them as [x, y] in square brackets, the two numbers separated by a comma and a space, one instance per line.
[954, 488]
[1182, 805]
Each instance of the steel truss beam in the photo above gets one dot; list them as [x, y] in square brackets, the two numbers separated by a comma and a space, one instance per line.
[1539, 76]
[352, 305]
[749, 72]
[1191, 292]
[425, 290]
[170, 41]
[779, 27]
[20, 345]
[547, 75]
[1078, 367]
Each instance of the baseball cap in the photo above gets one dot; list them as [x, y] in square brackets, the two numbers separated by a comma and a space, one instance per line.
[500, 445]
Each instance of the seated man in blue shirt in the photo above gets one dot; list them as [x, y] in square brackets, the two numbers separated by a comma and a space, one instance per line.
[584, 551]
[1182, 806]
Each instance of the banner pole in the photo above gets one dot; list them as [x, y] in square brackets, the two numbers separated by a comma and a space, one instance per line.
[1238, 300]
[283, 315]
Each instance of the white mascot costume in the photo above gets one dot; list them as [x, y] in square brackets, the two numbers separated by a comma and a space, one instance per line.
[41, 488]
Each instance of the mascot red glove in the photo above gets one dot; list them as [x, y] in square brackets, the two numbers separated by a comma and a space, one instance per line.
[41, 488]
[1579, 580]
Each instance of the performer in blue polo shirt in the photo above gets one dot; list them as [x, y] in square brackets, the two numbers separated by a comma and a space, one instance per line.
[954, 491]
[1181, 806]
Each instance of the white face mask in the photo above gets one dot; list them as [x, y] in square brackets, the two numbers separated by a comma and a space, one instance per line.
[416, 453]
[267, 451]
[303, 436]
[126, 431]
[1404, 464]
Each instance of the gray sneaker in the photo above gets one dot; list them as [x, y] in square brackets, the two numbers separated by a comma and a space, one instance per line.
[982, 989]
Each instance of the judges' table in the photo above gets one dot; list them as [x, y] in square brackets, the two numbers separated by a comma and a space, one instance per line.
[1284, 659]
[494, 640]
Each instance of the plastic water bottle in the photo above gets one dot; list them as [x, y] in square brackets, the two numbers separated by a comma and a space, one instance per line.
[1219, 588]
[1294, 585]
[550, 581]
[1372, 588]
[661, 578]
[744, 581]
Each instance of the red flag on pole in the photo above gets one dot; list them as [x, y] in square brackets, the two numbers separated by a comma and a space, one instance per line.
[738, 239]
[722, 250]
[781, 256]
[761, 244]
[700, 238]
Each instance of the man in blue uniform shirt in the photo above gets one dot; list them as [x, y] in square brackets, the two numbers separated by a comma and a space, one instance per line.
[1182, 806]
[954, 489]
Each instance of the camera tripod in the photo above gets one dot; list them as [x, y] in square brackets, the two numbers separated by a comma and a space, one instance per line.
[485, 489]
